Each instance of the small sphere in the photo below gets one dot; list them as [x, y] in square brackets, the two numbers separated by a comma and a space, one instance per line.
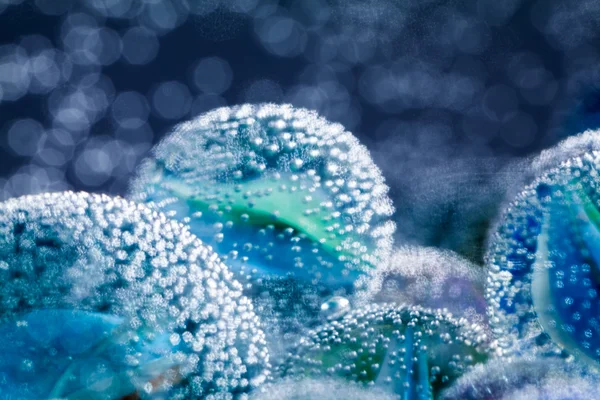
[406, 350]
[98, 254]
[279, 189]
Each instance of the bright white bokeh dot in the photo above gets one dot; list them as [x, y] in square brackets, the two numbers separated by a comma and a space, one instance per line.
[15, 76]
[24, 136]
[88, 45]
[130, 110]
[213, 75]
[95, 163]
[140, 46]
[281, 36]
[171, 100]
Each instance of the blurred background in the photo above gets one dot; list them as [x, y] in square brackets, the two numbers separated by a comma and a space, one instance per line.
[451, 97]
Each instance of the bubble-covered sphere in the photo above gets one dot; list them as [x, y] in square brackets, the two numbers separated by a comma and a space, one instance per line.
[524, 172]
[275, 190]
[286, 308]
[430, 277]
[524, 378]
[573, 146]
[543, 261]
[94, 253]
[406, 350]
[83, 355]
[559, 388]
[318, 389]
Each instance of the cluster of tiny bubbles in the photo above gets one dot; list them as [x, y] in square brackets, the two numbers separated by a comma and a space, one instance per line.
[430, 277]
[156, 16]
[276, 191]
[408, 351]
[585, 142]
[33, 66]
[524, 378]
[335, 307]
[113, 280]
[559, 388]
[525, 171]
[324, 388]
[287, 309]
[542, 261]
[530, 168]
[553, 21]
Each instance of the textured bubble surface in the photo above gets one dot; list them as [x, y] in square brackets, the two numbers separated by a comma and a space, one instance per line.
[103, 255]
[275, 190]
[318, 389]
[286, 308]
[430, 277]
[408, 351]
[571, 147]
[524, 378]
[543, 261]
[559, 388]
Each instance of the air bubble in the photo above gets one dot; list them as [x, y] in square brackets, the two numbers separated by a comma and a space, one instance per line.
[335, 308]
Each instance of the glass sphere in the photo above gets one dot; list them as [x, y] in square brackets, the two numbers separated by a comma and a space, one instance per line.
[108, 256]
[406, 350]
[543, 261]
[275, 190]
